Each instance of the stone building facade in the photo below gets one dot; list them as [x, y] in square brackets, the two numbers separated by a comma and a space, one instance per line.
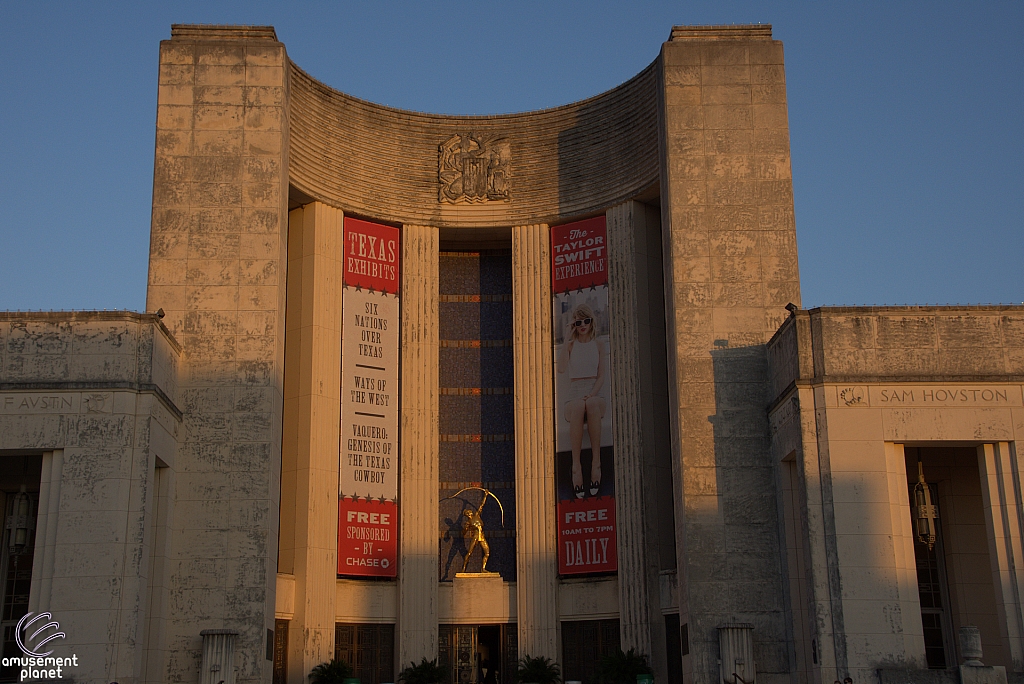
[174, 482]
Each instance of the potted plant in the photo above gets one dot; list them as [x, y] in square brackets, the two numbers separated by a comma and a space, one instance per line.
[539, 670]
[427, 672]
[622, 668]
[334, 672]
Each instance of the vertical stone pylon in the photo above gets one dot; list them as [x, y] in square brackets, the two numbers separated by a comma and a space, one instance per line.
[312, 409]
[536, 538]
[418, 536]
[217, 265]
[730, 269]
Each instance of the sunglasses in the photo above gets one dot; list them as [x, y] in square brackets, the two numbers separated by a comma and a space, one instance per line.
[581, 321]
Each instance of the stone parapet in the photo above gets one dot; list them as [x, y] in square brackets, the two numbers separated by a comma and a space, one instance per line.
[565, 162]
[899, 343]
[76, 350]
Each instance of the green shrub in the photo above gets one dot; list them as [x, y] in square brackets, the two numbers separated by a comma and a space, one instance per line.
[622, 668]
[538, 670]
[427, 672]
[334, 672]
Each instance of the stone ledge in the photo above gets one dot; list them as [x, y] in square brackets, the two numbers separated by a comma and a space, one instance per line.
[722, 32]
[821, 380]
[86, 385]
[222, 32]
[90, 316]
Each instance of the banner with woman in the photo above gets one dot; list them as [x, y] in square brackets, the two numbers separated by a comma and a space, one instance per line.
[584, 452]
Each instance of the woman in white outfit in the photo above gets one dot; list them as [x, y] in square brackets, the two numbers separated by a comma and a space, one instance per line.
[583, 357]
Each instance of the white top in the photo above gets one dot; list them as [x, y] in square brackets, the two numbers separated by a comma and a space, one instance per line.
[583, 360]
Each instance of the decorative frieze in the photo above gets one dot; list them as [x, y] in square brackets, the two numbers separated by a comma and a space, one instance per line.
[474, 167]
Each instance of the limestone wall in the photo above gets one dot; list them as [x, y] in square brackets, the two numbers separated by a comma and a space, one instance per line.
[217, 268]
[730, 270]
[920, 342]
[882, 382]
[571, 160]
[90, 397]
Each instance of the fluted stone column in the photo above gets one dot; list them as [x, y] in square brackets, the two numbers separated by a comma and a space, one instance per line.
[999, 479]
[312, 405]
[417, 573]
[536, 538]
[641, 625]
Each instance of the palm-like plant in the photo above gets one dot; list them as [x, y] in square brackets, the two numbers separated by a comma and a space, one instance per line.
[427, 672]
[622, 668]
[334, 672]
[539, 670]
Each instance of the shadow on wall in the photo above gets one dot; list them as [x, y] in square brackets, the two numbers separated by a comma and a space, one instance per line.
[610, 155]
[733, 532]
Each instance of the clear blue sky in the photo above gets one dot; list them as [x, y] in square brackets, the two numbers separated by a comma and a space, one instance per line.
[906, 119]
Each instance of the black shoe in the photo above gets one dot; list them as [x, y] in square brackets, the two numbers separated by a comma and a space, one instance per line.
[595, 487]
[578, 489]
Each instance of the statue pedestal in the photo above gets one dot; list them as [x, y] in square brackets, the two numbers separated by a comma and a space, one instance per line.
[481, 596]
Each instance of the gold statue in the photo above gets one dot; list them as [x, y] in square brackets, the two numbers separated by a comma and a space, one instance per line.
[473, 527]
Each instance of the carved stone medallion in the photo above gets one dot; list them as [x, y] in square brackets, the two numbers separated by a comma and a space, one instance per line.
[474, 167]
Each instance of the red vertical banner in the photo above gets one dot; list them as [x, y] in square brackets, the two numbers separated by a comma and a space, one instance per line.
[584, 449]
[579, 256]
[368, 460]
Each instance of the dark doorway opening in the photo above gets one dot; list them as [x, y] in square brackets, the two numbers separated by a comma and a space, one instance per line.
[478, 654]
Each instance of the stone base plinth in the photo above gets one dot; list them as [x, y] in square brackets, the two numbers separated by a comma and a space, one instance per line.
[479, 598]
[984, 674]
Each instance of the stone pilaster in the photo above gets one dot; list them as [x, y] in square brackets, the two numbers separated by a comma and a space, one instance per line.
[418, 540]
[312, 405]
[731, 268]
[641, 625]
[999, 479]
[220, 202]
[536, 538]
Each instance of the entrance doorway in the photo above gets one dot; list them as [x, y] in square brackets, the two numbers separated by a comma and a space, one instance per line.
[478, 654]
[954, 576]
[19, 503]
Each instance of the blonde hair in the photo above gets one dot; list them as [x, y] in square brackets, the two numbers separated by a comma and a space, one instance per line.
[579, 313]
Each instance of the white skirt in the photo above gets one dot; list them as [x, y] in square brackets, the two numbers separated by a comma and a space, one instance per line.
[578, 388]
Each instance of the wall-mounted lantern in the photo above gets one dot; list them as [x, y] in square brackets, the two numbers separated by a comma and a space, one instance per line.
[926, 513]
[20, 523]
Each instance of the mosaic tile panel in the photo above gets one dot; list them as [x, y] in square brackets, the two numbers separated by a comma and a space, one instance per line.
[477, 424]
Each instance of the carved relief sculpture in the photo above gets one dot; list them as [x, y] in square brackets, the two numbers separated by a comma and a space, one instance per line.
[473, 167]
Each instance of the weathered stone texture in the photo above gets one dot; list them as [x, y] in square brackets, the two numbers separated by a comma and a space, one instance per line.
[418, 601]
[567, 161]
[217, 269]
[641, 430]
[924, 342]
[312, 408]
[853, 386]
[729, 233]
[107, 423]
[536, 552]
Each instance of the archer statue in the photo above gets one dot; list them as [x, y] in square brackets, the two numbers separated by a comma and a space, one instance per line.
[473, 527]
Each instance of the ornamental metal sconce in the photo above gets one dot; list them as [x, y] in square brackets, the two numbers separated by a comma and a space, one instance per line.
[20, 523]
[926, 513]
